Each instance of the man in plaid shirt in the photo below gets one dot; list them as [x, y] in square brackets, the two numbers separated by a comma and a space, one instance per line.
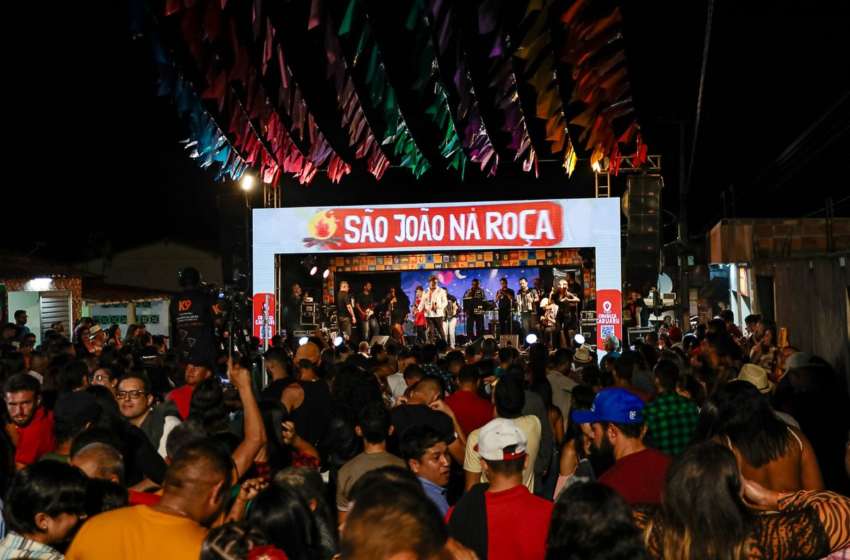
[671, 418]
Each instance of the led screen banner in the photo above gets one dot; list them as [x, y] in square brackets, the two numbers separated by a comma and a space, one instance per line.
[534, 224]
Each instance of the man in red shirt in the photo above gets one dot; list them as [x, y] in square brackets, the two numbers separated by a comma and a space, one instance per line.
[471, 410]
[199, 369]
[618, 430]
[502, 520]
[33, 423]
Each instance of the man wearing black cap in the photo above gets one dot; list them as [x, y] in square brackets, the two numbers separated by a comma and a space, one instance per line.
[194, 316]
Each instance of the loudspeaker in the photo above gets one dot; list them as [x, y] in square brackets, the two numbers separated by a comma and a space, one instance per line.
[642, 269]
[509, 339]
[234, 236]
[386, 342]
[477, 343]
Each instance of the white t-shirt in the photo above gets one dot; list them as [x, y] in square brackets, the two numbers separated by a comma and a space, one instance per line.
[530, 426]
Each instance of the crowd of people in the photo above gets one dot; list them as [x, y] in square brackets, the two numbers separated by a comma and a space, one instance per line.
[712, 445]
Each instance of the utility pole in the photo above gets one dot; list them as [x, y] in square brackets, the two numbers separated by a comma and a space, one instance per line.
[684, 245]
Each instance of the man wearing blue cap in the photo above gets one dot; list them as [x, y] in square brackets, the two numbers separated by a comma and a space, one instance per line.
[618, 430]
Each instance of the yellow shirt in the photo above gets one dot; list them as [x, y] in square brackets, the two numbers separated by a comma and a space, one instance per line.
[137, 533]
[530, 426]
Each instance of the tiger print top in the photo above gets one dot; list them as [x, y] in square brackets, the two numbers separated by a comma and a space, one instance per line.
[809, 524]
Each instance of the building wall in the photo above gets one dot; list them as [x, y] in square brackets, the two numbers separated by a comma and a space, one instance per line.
[811, 301]
[28, 301]
[156, 266]
[73, 285]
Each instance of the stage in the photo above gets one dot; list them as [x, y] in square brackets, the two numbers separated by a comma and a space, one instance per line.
[401, 246]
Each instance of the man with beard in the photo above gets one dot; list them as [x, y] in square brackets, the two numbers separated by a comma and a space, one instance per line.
[618, 431]
[33, 423]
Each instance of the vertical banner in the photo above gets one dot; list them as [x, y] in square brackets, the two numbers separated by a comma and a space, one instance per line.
[264, 303]
[609, 312]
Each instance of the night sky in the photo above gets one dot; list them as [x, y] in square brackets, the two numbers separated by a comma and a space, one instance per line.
[94, 156]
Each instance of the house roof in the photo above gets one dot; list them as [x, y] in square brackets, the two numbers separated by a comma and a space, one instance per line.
[99, 293]
[21, 265]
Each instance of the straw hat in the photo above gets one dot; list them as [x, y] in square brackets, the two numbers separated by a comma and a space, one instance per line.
[757, 376]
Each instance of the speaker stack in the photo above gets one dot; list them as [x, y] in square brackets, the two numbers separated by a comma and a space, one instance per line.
[588, 327]
[643, 241]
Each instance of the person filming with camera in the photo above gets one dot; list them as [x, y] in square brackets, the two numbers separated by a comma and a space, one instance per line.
[194, 317]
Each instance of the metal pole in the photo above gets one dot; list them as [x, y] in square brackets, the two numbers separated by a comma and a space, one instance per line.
[684, 296]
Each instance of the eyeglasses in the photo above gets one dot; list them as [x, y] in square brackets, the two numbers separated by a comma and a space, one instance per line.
[132, 394]
[101, 377]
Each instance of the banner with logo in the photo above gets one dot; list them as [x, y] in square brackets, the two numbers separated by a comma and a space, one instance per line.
[609, 311]
[264, 303]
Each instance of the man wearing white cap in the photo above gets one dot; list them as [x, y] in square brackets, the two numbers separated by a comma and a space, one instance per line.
[502, 519]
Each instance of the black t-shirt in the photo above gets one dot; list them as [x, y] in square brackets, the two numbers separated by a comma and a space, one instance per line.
[343, 300]
[505, 303]
[274, 390]
[408, 415]
[575, 288]
[644, 311]
[193, 316]
[312, 416]
[365, 300]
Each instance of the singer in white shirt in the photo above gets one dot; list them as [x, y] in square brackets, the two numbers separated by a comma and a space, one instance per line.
[434, 303]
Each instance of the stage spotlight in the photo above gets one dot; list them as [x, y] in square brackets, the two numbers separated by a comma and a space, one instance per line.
[531, 339]
[326, 273]
[579, 339]
[247, 182]
[338, 341]
[314, 270]
[303, 340]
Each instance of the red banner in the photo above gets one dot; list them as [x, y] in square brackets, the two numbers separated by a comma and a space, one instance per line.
[538, 224]
[609, 313]
[259, 304]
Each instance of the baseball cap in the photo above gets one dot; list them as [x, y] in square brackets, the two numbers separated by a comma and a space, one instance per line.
[498, 434]
[201, 361]
[797, 360]
[675, 334]
[308, 351]
[612, 405]
[76, 409]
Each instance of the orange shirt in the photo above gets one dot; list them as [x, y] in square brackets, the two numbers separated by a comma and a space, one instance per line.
[137, 533]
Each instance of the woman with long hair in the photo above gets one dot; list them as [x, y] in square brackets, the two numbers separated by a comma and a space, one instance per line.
[284, 448]
[285, 518]
[207, 407]
[710, 513]
[578, 461]
[769, 451]
[113, 336]
[593, 522]
[131, 335]
[308, 482]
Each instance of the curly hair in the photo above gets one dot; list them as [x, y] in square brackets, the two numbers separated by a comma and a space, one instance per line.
[354, 389]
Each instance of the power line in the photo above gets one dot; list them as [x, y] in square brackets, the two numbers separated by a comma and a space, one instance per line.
[699, 97]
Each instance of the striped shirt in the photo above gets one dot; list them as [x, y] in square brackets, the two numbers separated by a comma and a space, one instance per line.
[17, 546]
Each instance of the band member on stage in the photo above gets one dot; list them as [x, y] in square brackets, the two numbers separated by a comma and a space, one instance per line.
[397, 304]
[542, 292]
[450, 324]
[434, 303]
[292, 310]
[527, 300]
[576, 289]
[549, 321]
[419, 318]
[344, 311]
[367, 322]
[473, 319]
[505, 300]
[566, 301]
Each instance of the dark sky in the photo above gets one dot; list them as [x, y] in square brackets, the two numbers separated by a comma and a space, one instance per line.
[94, 156]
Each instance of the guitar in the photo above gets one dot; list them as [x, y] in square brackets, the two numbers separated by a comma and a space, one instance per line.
[365, 314]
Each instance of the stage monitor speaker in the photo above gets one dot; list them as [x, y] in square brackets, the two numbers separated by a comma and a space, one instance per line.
[511, 340]
[386, 342]
[635, 333]
[477, 344]
[588, 331]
